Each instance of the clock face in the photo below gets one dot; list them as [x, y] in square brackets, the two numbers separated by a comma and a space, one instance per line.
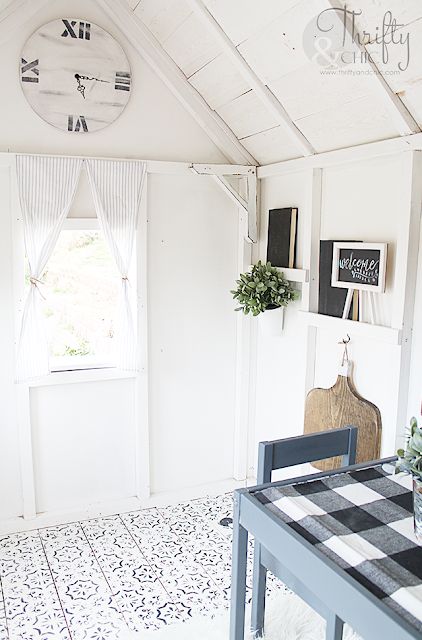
[75, 75]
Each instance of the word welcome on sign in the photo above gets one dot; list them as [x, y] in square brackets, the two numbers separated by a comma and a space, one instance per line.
[359, 265]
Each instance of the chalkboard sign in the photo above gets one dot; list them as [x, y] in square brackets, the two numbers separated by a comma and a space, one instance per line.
[359, 265]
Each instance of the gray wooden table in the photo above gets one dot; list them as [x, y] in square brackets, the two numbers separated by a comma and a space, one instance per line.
[336, 595]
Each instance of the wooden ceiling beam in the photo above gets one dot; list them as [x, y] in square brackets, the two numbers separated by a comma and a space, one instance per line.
[261, 90]
[400, 115]
[358, 153]
[153, 53]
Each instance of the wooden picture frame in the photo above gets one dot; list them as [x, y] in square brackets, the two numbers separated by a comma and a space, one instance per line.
[359, 265]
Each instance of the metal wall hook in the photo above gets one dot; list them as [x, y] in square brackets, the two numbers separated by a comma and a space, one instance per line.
[345, 342]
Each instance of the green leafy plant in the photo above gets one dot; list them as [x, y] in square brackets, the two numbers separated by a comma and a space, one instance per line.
[262, 288]
[81, 349]
[410, 459]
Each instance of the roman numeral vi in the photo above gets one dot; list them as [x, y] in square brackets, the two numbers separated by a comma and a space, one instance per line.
[77, 123]
[82, 31]
[31, 69]
[122, 81]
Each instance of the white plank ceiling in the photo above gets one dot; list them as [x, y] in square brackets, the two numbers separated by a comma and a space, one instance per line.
[331, 110]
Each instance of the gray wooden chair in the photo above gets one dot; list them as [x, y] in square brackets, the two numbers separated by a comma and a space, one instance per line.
[279, 454]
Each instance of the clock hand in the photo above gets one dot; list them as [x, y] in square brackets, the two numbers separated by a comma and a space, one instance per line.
[96, 79]
[80, 87]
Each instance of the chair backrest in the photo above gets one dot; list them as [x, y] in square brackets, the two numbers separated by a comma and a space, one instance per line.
[279, 454]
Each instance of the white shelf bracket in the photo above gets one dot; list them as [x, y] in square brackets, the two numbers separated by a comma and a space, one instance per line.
[249, 205]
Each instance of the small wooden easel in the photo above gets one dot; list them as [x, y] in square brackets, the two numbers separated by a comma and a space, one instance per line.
[357, 294]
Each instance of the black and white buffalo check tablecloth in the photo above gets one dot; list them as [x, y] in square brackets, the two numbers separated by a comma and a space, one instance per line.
[363, 521]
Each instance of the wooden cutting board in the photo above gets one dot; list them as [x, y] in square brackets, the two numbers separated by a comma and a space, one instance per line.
[342, 406]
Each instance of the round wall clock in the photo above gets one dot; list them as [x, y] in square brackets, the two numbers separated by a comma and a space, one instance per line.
[75, 75]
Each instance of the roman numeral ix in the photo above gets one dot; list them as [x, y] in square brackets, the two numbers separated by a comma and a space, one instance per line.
[77, 123]
[122, 81]
[82, 30]
[31, 69]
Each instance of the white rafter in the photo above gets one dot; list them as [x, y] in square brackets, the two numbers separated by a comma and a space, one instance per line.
[261, 90]
[150, 49]
[402, 118]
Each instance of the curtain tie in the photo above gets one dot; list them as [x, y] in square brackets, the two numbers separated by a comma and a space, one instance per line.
[125, 278]
[36, 282]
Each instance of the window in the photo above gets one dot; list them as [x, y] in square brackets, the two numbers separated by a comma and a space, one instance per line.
[81, 292]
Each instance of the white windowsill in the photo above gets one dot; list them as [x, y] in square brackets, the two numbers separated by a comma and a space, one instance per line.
[85, 375]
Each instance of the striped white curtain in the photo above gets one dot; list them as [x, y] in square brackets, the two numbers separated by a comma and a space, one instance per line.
[46, 189]
[117, 190]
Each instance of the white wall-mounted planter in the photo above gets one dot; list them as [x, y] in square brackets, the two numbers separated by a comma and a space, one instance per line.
[271, 322]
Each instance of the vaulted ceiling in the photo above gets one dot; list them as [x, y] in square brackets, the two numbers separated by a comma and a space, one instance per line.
[269, 83]
[225, 49]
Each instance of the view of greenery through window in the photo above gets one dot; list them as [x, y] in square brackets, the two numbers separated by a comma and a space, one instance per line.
[81, 291]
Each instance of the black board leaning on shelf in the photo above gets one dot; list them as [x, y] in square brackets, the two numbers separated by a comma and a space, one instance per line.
[331, 300]
[281, 247]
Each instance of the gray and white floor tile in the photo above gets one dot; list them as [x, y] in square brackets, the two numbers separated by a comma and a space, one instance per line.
[141, 570]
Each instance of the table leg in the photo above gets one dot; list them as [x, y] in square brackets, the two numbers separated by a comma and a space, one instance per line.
[258, 593]
[238, 586]
[334, 628]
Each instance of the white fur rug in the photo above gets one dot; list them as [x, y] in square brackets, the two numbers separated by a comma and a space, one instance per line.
[287, 618]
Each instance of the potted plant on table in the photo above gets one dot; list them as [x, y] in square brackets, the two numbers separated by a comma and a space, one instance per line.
[264, 290]
[410, 461]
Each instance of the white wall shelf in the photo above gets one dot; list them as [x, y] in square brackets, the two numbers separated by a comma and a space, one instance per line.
[360, 329]
[295, 275]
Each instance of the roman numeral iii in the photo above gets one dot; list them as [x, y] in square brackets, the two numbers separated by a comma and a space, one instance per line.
[122, 81]
[76, 29]
[29, 70]
[77, 123]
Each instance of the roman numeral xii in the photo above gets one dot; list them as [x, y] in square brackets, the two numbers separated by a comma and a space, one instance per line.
[122, 81]
[77, 123]
[29, 70]
[76, 29]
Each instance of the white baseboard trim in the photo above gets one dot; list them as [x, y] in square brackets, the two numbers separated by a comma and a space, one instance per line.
[64, 516]
[168, 498]
[112, 507]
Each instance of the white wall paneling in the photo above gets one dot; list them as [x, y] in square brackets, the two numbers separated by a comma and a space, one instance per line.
[312, 233]
[379, 210]
[375, 198]
[244, 346]
[11, 503]
[406, 277]
[83, 438]
[142, 422]
[130, 439]
[192, 240]
[415, 383]
[280, 370]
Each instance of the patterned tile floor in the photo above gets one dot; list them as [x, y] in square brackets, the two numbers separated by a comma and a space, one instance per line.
[92, 580]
